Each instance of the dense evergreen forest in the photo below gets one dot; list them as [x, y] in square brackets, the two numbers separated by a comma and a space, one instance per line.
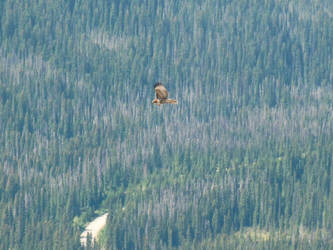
[244, 161]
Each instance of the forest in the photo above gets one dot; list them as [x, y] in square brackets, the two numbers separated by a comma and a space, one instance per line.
[243, 161]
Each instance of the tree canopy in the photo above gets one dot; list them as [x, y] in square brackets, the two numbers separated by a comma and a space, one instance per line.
[243, 160]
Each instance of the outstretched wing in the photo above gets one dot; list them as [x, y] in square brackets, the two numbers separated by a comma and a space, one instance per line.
[160, 90]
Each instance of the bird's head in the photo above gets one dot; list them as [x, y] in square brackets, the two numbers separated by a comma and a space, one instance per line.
[156, 101]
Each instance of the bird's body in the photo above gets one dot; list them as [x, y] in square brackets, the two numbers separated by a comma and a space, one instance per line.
[162, 95]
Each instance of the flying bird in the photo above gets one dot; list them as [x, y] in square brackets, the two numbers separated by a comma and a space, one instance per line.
[162, 95]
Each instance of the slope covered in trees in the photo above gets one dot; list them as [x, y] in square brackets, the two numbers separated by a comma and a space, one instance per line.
[244, 159]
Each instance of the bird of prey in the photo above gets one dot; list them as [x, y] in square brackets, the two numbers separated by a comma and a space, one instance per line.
[162, 95]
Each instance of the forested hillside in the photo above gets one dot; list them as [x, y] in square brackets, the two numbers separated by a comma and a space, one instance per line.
[244, 161]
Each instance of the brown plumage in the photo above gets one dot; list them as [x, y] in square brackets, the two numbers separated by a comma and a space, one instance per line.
[162, 95]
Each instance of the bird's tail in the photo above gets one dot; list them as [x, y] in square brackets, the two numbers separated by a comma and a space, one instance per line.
[172, 101]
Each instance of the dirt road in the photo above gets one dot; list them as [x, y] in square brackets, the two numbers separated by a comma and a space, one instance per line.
[93, 228]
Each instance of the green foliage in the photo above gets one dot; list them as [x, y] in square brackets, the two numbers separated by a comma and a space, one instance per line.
[243, 161]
